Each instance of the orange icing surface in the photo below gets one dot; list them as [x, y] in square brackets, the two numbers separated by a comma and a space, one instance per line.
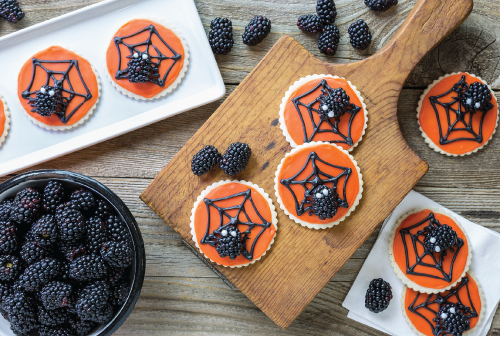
[147, 90]
[421, 324]
[2, 118]
[294, 163]
[428, 121]
[201, 217]
[425, 281]
[294, 124]
[52, 54]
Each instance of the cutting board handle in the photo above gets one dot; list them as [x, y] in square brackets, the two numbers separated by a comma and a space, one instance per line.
[428, 23]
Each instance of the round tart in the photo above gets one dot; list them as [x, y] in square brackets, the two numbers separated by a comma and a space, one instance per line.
[318, 185]
[233, 223]
[323, 108]
[457, 114]
[147, 59]
[432, 315]
[4, 120]
[58, 89]
[429, 250]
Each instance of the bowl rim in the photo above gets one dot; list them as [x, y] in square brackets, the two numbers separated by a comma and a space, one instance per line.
[122, 210]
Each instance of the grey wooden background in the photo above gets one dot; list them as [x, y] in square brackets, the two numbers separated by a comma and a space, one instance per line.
[180, 294]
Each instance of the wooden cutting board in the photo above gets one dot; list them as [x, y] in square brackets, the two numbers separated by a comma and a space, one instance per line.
[302, 261]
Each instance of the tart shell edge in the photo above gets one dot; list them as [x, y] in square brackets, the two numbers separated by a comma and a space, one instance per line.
[6, 129]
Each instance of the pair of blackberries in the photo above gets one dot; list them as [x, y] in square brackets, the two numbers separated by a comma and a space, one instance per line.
[11, 11]
[221, 39]
[232, 162]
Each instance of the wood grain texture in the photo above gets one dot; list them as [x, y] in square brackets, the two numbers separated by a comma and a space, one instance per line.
[175, 299]
[389, 167]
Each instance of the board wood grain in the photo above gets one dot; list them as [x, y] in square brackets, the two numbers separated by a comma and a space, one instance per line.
[302, 261]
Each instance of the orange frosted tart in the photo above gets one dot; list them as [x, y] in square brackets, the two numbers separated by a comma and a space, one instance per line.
[4, 120]
[453, 312]
[323, 108]
[233, 223]
[147, 59]
[58, 89]
[318, 184]
[429, 250]
[457, 114]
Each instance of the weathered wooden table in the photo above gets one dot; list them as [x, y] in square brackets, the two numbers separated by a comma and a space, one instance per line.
[180, 294]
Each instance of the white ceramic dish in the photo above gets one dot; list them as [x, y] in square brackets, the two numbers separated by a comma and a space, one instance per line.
[88, 31]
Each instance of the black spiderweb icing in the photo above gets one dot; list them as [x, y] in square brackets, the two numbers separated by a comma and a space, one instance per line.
[240, 219]
[437, 258]
[325, 124]
[124, 73]
[449, 297]
[314, 179]
[463, 117]
[62, 81]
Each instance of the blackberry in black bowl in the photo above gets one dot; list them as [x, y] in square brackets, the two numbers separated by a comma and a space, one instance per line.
[72, 255]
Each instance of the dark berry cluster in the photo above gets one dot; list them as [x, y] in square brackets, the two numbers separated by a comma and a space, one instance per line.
[142, 69]
[234, 160]
[11, 11]
[326, 11]
[221, 36]
[325, 202]
[477, 97]
[48, 100]
[229, 242]
[64, 260]
[380, 5]
[378, 296]
[451, 321]
[440, 238]
[256, 30]
[333, 103]
[360, 36]
[328, 41]
[310, 23]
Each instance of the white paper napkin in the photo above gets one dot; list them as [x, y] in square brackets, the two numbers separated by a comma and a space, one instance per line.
[485, 266]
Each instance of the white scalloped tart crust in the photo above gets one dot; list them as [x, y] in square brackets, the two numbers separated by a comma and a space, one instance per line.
[6, 127]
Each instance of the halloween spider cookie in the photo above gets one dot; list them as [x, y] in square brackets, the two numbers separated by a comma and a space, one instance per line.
[58, 89]
[147, 59]
[318, 184]
[323, 108]
[429, 250]
[453, 312]
[4, 120]
[233, 223]
[457, 114]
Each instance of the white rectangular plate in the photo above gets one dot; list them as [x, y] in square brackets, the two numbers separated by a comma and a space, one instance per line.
[88, 31]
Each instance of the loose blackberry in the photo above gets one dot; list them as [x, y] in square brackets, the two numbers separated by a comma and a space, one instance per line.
[230, 242]
[53, 195]
[92, 298]
[31, 252]
[44, 231]
[327, 11]
[205, 160]
[102, 209]
[26, 206]
[96, 235]
[5, 208]
[360, 36]
[378, 295]
[47, 101]
[22, 325]
[18, 303]
[256, 31]
[10, 267]
[52, 317]
[120, 293]
[102, 316]
[115, 275]
[82, 328]
[141, 68]
[221, 36]
[236, 158]
[329, 40]
[83, 199]
[310, 23]
[324, 202]
[72, 250]
[477, 98]
[380, 5]
[56, 294]
[40, 273]
[9, 241]
[440, 238]
[11, 11]
[117, 254]
[88, 267]
[452, 321]
[117, 230]
[56, 331]
[333, 103]
[70, 222]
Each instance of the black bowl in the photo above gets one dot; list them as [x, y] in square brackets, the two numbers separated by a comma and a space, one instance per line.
[73, 180]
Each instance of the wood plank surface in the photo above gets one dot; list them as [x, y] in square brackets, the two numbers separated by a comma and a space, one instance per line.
[181, 295]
